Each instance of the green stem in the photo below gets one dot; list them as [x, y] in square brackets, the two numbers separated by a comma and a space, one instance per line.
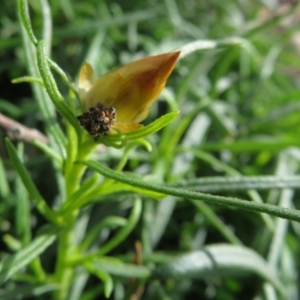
[64, 271]
[73, 173]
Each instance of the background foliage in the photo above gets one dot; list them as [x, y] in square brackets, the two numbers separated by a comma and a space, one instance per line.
[237, 87]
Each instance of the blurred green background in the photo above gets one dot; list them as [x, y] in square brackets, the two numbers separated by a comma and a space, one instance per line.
[237, 87]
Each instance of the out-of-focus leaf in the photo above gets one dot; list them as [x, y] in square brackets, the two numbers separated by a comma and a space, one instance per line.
[14, 263]
[26, 291]
[39, 201]
[220, 260]
[118, 268]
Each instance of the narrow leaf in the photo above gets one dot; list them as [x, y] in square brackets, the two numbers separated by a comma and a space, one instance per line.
[26, 291]
[285, 213]
[49, 152]
[51, 87]
[16, 262]
[28, 79]
[118, 268]
[140, 133]
[104, 277]
[39, 201]
[4, 187]
[153, 127]
[124, 231]
[221, 183]
[25, 18]
[220, 260]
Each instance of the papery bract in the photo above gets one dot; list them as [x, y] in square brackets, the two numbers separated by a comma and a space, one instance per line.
[130, 89]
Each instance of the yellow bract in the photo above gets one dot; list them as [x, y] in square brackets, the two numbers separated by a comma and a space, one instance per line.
[130, 89]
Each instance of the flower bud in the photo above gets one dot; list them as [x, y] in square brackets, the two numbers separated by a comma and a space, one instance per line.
[130, 90]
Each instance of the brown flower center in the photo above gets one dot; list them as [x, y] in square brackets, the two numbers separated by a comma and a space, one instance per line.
[98, 120]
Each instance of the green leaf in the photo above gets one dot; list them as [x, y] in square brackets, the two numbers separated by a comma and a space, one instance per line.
[14, 111]
[22, 209]
[124, 231]
[64, 77]
[92, 26]
[128, 149]
[39, 201]
[253, 145]
[14, 263]
[240, 183]
[56, 136]
[291, 214]
[11, 242]
[120, 140]
[104, 277]
[25, 18]
[4, 187]
[118, 187]
[220, 260]
[201, 45]
[51, 87]
[27, 291]
[49, 152]
[28, 79]
[153, 127]
[118, 268]
[108, 222]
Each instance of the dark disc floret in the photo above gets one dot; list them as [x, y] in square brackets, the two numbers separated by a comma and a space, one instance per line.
[98, 120]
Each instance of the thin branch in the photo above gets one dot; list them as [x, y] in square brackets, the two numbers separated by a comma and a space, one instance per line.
[17, 131]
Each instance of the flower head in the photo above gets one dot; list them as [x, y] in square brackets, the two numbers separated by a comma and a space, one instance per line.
[121, 98]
